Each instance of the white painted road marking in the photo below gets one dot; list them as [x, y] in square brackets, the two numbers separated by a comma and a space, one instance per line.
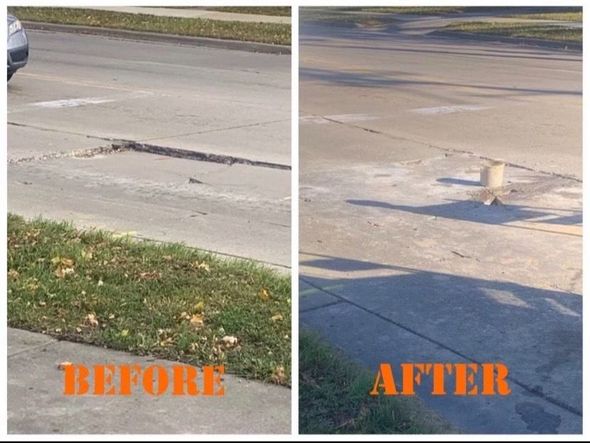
[73, 102]
[448, 109]
[82, 101]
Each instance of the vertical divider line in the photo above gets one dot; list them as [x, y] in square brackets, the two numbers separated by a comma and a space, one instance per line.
[4, 252]
[294, 219]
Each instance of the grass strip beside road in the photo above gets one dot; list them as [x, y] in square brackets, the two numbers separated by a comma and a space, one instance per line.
[520, 30]
[573, 16]
[273, 33]
[334, 398]
[164, 300]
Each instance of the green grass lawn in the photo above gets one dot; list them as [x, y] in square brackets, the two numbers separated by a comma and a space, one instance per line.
[274, 33]
[334, 398]
[522, 30]
[573, 16]
[165, 300]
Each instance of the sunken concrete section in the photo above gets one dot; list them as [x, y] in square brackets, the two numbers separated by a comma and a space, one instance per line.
[37, 404]
[223, 208]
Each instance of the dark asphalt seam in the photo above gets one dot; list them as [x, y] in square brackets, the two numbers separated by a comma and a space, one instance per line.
[200, 156]
[451, 150]
[524, 386]
[130, 145]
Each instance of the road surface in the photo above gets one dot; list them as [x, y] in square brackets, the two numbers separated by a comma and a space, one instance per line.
[85, 92]
[401, 261]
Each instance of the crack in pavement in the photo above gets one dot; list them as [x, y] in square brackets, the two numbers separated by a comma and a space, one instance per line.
[79, 153]
[441, 148]
[122, 145]
[532, 390]
[201, 156]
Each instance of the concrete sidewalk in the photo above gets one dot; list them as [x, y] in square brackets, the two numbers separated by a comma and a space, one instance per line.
[37, 405]
[198, 13]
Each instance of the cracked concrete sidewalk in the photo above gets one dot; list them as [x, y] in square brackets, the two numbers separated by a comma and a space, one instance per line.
[37, 404]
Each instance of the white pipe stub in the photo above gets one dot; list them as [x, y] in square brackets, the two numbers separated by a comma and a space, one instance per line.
[492, 174]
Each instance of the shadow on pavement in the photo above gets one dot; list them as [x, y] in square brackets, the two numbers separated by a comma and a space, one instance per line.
[537, 332]
[385, 80]
[474, 211]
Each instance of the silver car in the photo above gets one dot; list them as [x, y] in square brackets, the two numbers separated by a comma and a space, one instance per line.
[18, 46]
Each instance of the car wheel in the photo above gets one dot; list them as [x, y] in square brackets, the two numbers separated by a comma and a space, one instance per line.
[10, 74]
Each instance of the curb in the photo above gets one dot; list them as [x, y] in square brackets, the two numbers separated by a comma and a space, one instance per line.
[235, 45]
[566, 46]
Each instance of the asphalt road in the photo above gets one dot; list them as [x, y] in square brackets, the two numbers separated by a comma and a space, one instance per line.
[84, 92]
[400, 261]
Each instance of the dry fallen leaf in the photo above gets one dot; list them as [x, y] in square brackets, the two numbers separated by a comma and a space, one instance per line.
[62, 272]
[278, 375]
[63, 365]
[13, 274]
[204, 266]
[264, 294]
[197, 321]
[91, 320]
[150, 275]
[277, 317]
[229, 341]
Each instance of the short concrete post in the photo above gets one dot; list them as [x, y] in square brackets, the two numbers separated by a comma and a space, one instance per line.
[492, 174]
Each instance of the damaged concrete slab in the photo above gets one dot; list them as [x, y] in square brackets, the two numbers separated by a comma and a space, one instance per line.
[223, 208]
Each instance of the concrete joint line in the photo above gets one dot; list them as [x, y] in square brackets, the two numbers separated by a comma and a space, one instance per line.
[517, 382]
[34, 348]
[454, 151]
[316, 308]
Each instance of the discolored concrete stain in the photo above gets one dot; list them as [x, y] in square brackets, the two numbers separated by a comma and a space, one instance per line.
[536, 419]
